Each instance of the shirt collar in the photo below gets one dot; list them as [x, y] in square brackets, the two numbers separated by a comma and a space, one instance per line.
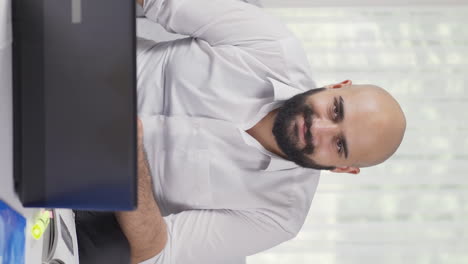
[276, 162]
[282, 91]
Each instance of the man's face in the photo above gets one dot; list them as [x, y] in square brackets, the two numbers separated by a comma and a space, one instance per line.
[291, 130]
[335, 128]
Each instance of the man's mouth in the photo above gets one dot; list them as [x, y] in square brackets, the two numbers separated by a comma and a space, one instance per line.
[307, 133]
[304, 132]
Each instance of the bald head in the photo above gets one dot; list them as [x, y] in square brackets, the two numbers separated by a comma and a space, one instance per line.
[382, 115]
[342, 127]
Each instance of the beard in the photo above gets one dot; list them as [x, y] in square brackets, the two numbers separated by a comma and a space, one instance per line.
[286, 131]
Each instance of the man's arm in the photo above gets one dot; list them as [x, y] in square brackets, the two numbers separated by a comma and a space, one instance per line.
[219, 22]
[144, 228]
[253, 2]
[194, 236]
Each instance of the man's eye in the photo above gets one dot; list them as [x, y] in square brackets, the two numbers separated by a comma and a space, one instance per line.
[335, 112]
[339, 145]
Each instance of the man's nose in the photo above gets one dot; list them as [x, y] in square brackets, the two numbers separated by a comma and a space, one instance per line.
[323, 128]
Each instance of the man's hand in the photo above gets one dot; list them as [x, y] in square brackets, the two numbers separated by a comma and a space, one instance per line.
[144, 228]
[140, 147]
[140, 2]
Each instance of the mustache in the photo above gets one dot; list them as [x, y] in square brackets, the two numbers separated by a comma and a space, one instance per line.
[309, 147]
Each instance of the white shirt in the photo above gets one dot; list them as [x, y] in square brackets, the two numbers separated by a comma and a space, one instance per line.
[223, 196]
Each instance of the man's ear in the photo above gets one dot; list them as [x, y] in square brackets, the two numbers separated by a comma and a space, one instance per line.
[340, 85]
[352, 170]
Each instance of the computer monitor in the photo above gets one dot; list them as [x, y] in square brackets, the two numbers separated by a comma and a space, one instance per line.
[74, 99]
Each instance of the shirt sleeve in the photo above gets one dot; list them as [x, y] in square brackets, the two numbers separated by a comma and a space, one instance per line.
[219, 22]
[217, 236]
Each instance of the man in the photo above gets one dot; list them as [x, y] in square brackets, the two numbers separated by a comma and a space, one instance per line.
[233, 134]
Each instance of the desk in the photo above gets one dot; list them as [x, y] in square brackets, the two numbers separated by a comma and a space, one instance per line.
[33, 247]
